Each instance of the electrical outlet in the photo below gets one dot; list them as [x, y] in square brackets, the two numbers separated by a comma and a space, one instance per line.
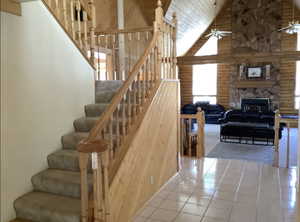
[151, 180]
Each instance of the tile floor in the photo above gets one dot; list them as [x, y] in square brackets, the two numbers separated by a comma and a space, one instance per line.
[215, 190]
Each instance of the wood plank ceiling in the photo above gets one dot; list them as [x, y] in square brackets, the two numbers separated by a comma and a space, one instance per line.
[194, 17]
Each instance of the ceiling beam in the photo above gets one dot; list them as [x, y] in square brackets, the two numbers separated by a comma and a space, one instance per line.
[240, 58]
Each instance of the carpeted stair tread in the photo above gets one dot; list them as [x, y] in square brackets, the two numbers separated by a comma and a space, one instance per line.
[85, 124]
[45, 207]
[70, 141]
[65, 159]
[60, 182]
[95, 110]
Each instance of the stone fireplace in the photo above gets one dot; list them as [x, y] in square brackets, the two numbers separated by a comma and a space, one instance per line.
[253, 25]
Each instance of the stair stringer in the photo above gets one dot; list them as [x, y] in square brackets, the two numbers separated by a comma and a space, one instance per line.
[151, 153]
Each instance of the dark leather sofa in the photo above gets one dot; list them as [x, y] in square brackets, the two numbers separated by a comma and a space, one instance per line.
[242, 127]
[212, 112]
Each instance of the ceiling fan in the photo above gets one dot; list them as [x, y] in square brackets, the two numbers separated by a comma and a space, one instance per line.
[294, 26]
[215, 32]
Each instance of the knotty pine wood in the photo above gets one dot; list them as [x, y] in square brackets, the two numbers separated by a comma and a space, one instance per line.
[10, 7]
[152, 153]
[288, 68]
[224, 46]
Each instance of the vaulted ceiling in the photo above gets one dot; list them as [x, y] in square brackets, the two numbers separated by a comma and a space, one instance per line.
[194, 17]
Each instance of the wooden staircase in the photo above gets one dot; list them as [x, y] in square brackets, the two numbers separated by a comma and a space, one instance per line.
[141, 59]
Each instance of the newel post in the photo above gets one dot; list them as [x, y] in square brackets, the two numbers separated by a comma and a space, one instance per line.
[92, 7]
[200, 137]
[174, 39]
[159, 14]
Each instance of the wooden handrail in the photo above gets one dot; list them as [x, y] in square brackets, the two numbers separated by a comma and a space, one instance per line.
[100, 125]
[133, 30]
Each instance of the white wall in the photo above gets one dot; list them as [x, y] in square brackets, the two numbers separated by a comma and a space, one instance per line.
[45, 83]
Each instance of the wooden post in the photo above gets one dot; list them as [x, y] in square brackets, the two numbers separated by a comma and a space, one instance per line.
[78, 10]
[92, 29]
[159, 13]
[83, 163]
[72, 12]
[200, 136]
[174, 39]
[106, 194]
[276, 138]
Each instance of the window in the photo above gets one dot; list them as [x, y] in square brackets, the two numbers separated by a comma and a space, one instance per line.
[205, 76]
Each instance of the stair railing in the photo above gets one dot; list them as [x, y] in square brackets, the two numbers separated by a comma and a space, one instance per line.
[126, 46]
[78, 19]
[113, 133]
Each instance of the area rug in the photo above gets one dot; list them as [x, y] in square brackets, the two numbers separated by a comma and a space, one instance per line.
[255, 153]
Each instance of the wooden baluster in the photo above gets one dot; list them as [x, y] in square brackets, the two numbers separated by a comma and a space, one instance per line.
[97, 58]
[144, 77]
[147, 73]
[85, 31]
[111, 139]
[190, 137]
[50, 4]
[118, 127]
[138, 92]
[170, 53]
[78, 10]
[65, 15]
[174, 50]
[124, 119]
[157, 28]
[92, 29]
[100, 213]
[129, 50]
[72, 19]
[135, 95]
[129, 110]
[105, 165]
[83, 164]
[57, 9]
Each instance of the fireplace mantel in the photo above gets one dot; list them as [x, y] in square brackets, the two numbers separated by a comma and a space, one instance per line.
[242, 84]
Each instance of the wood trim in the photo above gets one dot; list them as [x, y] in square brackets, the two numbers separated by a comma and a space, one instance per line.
[11, 7]
[127, 142]
[240, 58]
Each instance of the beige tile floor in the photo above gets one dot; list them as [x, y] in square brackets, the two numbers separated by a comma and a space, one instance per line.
[215, 190]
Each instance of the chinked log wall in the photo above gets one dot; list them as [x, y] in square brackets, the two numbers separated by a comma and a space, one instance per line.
[287, 69]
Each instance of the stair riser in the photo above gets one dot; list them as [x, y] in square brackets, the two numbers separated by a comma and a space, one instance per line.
[64, 162]
[108, 85]
[94, 110]
[43, 207]
[53, 183]
[71, 142]
[84, 125]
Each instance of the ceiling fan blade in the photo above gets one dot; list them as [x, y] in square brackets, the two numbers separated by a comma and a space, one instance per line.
[210, 34]
[225, 32]
[285, 28]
